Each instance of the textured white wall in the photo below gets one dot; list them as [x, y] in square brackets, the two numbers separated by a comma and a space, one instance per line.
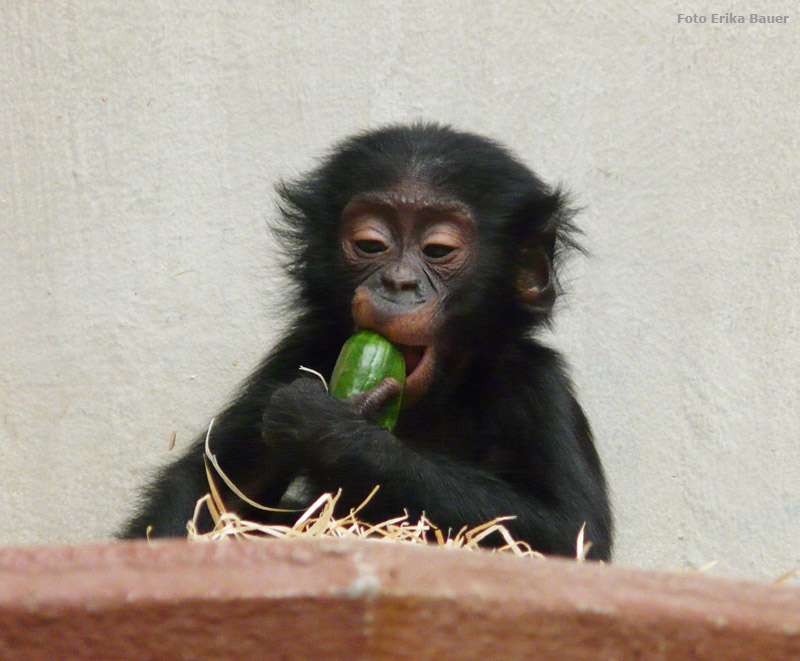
[138, 146]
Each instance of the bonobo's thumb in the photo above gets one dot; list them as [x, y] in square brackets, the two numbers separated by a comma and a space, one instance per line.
[368, 403]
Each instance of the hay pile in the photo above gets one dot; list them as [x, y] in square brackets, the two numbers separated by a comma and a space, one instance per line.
[319, 521]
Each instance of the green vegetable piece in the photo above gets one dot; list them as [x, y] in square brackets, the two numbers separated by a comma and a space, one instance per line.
[365, 360]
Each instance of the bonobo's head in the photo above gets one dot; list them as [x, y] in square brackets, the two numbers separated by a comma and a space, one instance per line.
[440, 240]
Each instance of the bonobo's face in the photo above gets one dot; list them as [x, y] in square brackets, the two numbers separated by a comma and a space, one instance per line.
[409, 249]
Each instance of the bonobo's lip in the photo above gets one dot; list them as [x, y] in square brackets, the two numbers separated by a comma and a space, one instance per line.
[419, 370]
[412, 355]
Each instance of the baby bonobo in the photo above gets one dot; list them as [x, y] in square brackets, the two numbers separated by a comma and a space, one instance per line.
[445, 244]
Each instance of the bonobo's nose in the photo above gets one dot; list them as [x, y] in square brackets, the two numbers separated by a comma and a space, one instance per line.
[400, 278]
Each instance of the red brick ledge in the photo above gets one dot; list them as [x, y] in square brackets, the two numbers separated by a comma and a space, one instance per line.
[342, 599]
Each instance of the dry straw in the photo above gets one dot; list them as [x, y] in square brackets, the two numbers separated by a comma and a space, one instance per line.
[319, 520]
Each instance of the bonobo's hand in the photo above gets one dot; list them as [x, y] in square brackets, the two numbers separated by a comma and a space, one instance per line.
[368, 403]
[301, 415]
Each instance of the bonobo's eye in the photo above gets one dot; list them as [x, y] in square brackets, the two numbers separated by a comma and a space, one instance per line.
[437, 250]
[366, 237]
[444, 243]
[370, 246]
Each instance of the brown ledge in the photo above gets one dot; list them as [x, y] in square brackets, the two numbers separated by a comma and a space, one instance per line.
[342, 599]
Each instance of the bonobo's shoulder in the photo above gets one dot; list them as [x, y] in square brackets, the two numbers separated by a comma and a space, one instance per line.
[529, 363]
[530, 355]
[525, 379]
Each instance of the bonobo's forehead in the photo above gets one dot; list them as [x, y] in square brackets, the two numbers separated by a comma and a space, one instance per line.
[437, 161]
[432, 167]
[414, 192]
[447, 160]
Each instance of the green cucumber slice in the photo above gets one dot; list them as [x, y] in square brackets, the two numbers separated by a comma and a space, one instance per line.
[364, 361]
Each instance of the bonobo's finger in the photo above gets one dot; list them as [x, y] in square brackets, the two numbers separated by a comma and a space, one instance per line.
[309, 383]
[288, 405]
[368, 403]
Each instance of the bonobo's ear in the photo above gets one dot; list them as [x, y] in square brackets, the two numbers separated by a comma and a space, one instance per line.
[536, 282]
[535, 279]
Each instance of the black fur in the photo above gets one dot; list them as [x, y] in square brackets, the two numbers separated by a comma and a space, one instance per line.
[498, 433]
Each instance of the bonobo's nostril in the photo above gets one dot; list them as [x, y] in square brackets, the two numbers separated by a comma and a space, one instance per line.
[400, 278]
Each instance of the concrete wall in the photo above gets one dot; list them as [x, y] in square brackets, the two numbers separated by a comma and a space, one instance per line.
[138, 146]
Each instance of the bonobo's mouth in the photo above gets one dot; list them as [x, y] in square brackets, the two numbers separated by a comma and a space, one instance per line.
[419, 354]
[419, 370]
[412, 356]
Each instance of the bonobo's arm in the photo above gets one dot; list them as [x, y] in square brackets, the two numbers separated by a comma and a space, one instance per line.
[343, 450]
[168, 502]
